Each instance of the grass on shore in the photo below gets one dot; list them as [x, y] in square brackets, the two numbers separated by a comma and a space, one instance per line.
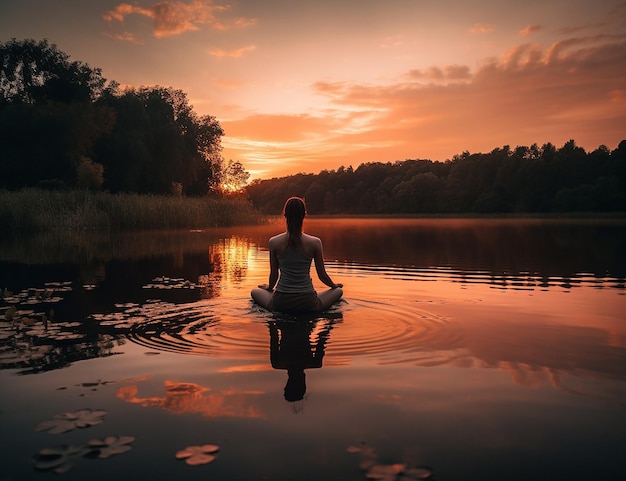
[38, 210]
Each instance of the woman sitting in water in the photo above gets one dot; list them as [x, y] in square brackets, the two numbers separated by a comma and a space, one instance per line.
[290, 254]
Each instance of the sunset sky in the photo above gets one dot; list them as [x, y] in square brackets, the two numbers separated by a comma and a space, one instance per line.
[305, 86]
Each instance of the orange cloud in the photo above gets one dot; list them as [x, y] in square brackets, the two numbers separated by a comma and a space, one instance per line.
[174, 18]
[482, 28]
[237, 53]
[127, 37]
[571, 89]
[240, 22]
[560, 92]
[124, 9]
[530, 29]
[449, 72]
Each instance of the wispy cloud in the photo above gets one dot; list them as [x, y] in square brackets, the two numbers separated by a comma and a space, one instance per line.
[482, 28]
[571, 89]
[446, 73]
[176, 17]
[240, 22]
[237, 53]
[530, 29]
[126, 37]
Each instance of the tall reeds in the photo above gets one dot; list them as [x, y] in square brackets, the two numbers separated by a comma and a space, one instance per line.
[37, 210]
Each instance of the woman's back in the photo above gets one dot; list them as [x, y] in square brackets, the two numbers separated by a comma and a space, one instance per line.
[295, 271]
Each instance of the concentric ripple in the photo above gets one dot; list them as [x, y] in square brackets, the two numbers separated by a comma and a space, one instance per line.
[355, 328]
[199, 329]
[396, 333]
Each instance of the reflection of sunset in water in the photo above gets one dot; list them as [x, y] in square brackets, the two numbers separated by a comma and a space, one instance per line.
[230, 258]
[189, 398]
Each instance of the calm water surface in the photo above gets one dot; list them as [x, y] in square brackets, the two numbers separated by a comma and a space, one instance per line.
[464, 349]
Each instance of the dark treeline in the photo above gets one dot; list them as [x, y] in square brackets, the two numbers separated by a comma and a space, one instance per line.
[63, 125]
[531, 179]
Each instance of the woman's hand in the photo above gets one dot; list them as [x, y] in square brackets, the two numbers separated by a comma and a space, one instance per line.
[265, 286]
[335, 286]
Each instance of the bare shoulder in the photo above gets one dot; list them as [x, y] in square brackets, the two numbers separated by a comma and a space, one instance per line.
[311, 244]
[277, 238]
[278, 241]
[311, 239]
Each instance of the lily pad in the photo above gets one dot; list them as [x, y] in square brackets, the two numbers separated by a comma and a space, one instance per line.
[196, 455]
[385, 472]
[367, 455]
[58, 459]
[64, 422]
[10, 313]
[416, 474]
[111, 445]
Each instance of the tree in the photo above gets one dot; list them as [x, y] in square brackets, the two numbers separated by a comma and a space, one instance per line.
[89, 174]
[55, 113]
[234, 177]
[34, 72]
[48, 121]
[158, 140]
[524, 179]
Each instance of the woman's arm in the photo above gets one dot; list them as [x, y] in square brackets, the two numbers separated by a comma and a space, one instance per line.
[320, 268]
[273, 270]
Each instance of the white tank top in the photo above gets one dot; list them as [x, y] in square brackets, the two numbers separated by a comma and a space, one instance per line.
[295, 271]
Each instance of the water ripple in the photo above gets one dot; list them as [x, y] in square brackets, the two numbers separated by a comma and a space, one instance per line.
[392, 333]
[523, 280]
[395, 332]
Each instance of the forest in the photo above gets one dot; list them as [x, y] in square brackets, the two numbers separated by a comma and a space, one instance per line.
[526, 179]
[64, 126]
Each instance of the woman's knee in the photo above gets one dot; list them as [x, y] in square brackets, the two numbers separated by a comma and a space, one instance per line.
[330, 296]
[261, 296]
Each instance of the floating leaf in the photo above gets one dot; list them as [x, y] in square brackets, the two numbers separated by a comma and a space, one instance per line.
[64, 422]
[416, 474]
[57, 459]
[196, 455]
[367, 455]
[8, 315]
[112, 445]
[58, 464]
[93, 384]
[63, 450]
[385, 472]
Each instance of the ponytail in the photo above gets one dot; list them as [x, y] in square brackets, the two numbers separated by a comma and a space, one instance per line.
[294, 212]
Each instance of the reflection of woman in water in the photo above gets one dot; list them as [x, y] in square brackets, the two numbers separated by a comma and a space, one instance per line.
[291, 254]
[291, 349]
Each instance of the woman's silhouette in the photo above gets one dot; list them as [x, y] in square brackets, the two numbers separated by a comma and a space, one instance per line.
[290, 287]
[292, 349]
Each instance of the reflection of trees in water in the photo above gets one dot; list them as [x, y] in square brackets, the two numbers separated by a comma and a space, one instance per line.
[516, 248]
[35, 353]
[32, 341]
[34, 348]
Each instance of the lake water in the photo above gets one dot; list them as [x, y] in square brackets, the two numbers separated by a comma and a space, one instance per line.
[464, 349]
